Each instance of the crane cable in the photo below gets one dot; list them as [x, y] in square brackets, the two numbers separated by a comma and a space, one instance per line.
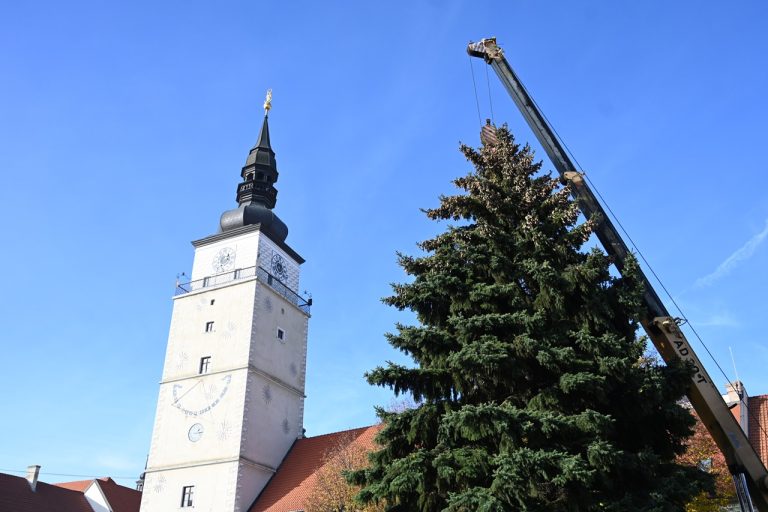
[637, 249]
[490, 100]
[90, 477]
[477, 100]
[474, 86]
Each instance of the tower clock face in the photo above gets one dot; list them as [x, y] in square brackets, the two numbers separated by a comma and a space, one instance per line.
[279, 267]
[224, 260]
[195, 432]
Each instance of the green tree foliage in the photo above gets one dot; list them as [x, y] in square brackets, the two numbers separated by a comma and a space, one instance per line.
[532, 390]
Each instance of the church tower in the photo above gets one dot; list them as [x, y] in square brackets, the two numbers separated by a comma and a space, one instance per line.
[231, 399]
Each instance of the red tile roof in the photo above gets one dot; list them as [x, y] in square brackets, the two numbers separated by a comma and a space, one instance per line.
[758, 425]
[120, 498]
[79, 485]
[17, 496]
[295, 479]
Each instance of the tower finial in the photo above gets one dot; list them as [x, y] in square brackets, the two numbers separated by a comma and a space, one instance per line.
[268, 102]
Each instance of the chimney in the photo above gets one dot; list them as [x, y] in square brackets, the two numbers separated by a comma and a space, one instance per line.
[737, 395]
[32, 473]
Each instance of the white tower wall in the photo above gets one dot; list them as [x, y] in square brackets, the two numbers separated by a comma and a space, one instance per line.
[226, 430]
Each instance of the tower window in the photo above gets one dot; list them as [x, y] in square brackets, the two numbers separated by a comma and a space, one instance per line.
[212, 301]
[205, 362]
[186, 495]
[280, 334]
[209, 325]
[260, 176]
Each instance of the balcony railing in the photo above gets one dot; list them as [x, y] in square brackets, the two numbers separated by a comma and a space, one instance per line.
[226, 277]
[244, 273]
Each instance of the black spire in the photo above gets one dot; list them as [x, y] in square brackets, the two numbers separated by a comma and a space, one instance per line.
[263, 141]
[260, 172]
[256, 194]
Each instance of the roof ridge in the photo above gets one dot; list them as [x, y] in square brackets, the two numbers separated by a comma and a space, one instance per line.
[74, 481]
[342, 431]
[75, 485]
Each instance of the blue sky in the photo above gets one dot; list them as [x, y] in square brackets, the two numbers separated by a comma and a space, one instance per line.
[123, 129]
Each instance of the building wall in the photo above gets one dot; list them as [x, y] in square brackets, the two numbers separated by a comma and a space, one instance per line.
[227, 430]
[214, 488]
[268, 252]
[96, 498]
[245, 247]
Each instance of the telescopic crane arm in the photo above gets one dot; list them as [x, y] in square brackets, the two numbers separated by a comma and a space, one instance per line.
[749, 473]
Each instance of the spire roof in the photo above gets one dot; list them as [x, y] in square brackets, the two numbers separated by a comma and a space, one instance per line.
[261, 152]
[256, 193]
[263, 141]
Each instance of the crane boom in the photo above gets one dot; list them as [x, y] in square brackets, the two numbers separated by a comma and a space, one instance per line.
[749, 473]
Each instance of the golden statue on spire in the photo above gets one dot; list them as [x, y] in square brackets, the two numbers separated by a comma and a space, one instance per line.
[268, 102]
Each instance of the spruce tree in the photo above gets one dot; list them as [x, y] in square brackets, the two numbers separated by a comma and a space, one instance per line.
[532, 388]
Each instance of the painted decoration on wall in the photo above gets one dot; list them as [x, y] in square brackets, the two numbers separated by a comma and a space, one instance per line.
[209, 391]
[181, 360]
[197, 399]
[229, 330]
[159, 484]
[266, 393]
[224, 430]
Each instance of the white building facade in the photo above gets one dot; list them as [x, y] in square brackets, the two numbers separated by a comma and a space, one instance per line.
[231, 399]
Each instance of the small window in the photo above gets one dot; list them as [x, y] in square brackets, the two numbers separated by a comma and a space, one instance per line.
[205, 362]
[280, 334]
[209, 325]
[186, 495]
[206, 282]
[213, 301]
